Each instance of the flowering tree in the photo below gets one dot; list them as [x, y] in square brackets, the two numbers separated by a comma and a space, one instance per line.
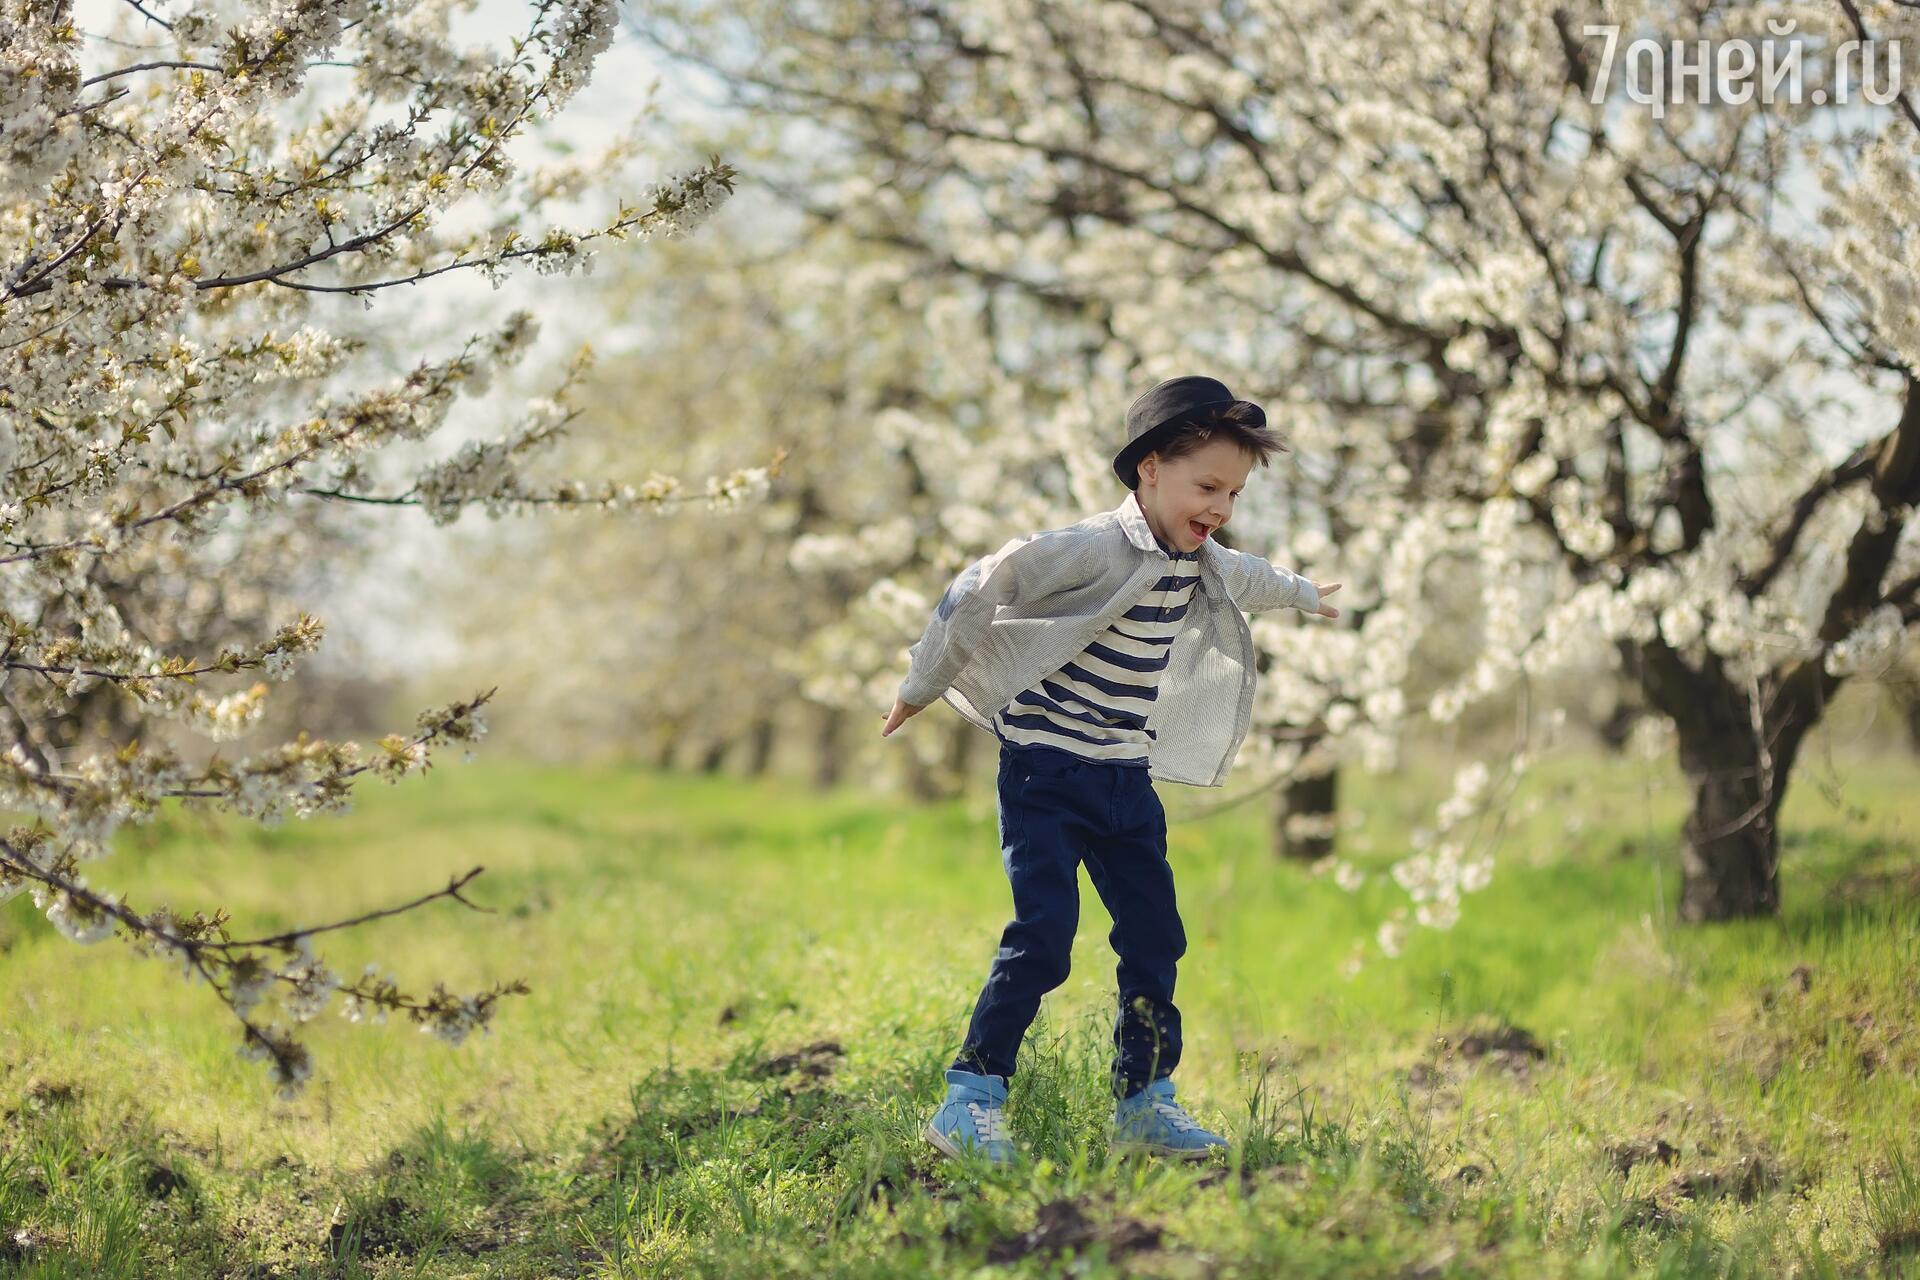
[881, 493]
[1648, 364]
[725, 636]
[182, 239]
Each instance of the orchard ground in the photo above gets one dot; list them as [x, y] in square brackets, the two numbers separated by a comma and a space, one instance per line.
[744, 993]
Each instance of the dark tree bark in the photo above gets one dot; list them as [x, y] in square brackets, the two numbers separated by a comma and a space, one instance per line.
[1911, 705]
[923, 783]
[1617, 727]
[944, 779]
[1736, 757]
[960, 747]
[759, 746]
[1317, 798]
[827, 748]
[669, 748]
[1738, 744]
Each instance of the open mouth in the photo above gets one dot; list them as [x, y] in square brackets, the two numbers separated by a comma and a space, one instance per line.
[1197, 529]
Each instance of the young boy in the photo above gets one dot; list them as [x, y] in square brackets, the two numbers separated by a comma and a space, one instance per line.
[1102, 656]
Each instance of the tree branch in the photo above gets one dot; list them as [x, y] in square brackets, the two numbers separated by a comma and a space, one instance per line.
[1895, 483]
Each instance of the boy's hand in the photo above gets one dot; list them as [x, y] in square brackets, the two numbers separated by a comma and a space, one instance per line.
[1323, 611]
[901, 713]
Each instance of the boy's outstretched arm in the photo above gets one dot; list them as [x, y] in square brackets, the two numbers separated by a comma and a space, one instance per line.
[1256, 584]
[1022, 569]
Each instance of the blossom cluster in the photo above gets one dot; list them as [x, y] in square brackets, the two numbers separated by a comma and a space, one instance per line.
[1540, 371]
[179, 393]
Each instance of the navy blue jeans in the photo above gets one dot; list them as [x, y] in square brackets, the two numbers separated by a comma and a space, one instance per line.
[1057, 810]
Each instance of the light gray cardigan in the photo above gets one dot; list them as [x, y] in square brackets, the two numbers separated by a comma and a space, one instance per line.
[1022, 612]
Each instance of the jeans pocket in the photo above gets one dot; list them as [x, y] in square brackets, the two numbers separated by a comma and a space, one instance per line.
[1053, 764]
[1033, 777]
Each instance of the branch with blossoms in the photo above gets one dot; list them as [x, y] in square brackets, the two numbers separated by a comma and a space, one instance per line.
[237, 971]
[91, 807]
[1508, 318]
[161, 682]
[171, 376]
[477, 475]
[308, 776]
[558, 250]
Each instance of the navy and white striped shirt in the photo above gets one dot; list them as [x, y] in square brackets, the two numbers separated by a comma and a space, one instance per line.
[1096, 706]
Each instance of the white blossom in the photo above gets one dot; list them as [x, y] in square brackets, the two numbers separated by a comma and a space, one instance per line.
[181, 395]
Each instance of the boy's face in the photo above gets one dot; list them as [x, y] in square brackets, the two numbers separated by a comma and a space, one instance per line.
[1186, 499]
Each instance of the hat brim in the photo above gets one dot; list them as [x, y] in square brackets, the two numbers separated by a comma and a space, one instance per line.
[1126, 462]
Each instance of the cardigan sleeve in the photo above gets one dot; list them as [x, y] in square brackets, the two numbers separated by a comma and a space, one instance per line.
[1257, 584]
[1022, 569]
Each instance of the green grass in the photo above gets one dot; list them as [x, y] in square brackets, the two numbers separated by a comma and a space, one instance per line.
[1726, 1101]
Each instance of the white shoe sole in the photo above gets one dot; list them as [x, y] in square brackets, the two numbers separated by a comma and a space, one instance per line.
[952, 1150]
[942, 1142]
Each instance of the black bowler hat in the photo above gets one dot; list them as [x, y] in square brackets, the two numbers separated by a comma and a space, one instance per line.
[1157, 414]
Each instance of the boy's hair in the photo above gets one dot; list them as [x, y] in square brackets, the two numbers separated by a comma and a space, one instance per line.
[1239, 422]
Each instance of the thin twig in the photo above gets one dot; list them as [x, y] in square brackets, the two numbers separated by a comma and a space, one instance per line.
[451, 891]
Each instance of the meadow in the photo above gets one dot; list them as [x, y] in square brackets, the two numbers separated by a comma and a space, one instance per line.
[743, 994]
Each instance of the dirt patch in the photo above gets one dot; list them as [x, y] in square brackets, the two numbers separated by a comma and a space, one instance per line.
[56, 1093]
[1744, 1177]
[162, 1181]
[21, 1246]
[378, 1228]
[1624, 1155]
[1252, 1176]
[1514, 1048]
[45, 1095]
[1647, 1213]
[174, 1140]
[1514, 1051]
[1063, 1224]
[890, 1189]
[817, 1060]
[1709, 1157]
[1809, 1021]
[1900, 1244]
[1880, 887]
[739, 1009]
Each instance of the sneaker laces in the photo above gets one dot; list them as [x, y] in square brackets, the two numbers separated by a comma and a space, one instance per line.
[1174, 1114]
[989, 1122]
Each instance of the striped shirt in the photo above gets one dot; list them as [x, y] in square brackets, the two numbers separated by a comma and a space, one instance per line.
[1096, 706]
[1024, 610]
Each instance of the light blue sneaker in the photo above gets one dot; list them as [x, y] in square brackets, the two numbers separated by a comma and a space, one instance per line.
[1152, 1122]
[972, 1121]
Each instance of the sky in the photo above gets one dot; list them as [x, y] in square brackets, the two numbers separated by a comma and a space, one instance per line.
[373, 622]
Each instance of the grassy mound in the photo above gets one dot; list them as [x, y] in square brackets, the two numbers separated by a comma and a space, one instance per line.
[743, 996]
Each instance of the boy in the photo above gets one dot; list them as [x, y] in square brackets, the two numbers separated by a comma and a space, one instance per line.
[1104, 655]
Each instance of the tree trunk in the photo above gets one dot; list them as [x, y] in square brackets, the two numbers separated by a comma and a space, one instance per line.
[759, 747]
[1731, 857]
[960, 754]
[670, 737]
[1309, 808]
[922, 783]
[1617, 728]
[1738, 771]
[827, 748]
[711, 758]
[1904, 688]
